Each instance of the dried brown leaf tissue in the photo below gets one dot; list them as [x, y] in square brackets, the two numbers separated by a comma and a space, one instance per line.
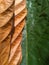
[12, 22]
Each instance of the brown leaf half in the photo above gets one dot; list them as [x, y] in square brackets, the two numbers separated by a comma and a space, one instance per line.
[5, 50]
[20, 7]
[5, 30]
[4, 5]
[18, 30]
[15, 54]
[16, 57]
[6, 16]
[18, 2]
[20, 17]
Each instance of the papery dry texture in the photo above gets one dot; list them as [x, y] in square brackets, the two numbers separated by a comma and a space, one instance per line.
[12, 22]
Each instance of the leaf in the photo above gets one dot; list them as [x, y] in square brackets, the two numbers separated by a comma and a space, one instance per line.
[15, 54]
[4, 5]
[6, 16]
[37, 33]
[18, 30]
[20, 7]
[5, 30]
[4, 50]
[20, 17]
[10, 50]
